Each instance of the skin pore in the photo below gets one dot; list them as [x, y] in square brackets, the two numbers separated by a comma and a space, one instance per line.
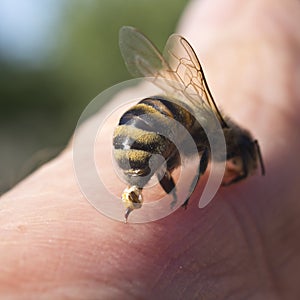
[244, 245]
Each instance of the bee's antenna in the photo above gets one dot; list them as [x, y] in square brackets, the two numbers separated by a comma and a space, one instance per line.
[262, 166]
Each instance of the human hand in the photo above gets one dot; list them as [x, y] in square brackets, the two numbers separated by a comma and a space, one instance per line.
[244, 244]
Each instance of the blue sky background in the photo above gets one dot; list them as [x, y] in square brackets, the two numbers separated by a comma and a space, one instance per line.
[26, 27]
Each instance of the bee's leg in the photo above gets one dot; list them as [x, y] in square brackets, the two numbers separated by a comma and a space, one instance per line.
[201, 169]
[168, 184]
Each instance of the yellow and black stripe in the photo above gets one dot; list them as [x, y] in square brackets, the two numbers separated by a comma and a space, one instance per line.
[143, 130]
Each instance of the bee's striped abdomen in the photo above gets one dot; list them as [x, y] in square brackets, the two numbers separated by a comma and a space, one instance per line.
[143, 131]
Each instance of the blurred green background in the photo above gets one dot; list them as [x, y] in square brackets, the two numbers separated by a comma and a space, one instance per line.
[55, 57]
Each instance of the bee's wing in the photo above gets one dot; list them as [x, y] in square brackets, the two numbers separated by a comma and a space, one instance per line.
[179, 66]
[184, 63]
[141, 57]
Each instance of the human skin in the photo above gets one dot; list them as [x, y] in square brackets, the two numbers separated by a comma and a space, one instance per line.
[244, 245]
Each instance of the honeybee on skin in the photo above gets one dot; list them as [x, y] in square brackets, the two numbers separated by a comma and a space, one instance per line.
[141, 132]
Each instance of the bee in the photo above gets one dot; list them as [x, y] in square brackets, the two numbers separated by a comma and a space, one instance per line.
[141, 132]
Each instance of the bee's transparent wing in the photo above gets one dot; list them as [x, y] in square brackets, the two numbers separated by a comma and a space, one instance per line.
[141, 57]
[179, 66]
[183, 62]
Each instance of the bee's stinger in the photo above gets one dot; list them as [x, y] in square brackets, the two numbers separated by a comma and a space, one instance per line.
[127, 212]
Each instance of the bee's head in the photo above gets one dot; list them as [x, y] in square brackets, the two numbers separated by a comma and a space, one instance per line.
[243, 155]
[132, 199]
